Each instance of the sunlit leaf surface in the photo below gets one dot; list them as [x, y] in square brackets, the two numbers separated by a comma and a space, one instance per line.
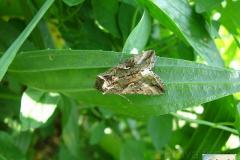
[37, 107]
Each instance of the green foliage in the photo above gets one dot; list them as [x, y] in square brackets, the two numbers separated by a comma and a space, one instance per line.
[49, 108]
[188, 25]
[107, 18]
[73, 2]
[132, 150]
[187, 83]
[9, 55]
[160, 130]
[143, 28]
[8, 149]
[97, 132]
[36, 108]
[202, 6]
[229, 14]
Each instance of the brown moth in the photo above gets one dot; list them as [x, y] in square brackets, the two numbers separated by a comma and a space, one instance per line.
[134, 76]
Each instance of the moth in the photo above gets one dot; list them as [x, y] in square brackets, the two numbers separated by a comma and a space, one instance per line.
[134, 76]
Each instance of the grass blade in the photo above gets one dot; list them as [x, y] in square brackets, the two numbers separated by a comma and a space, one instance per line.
[11, 52]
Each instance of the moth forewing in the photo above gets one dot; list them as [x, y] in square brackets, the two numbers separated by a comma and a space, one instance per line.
[134, 76]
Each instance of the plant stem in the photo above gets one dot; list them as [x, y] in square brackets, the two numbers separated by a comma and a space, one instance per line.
[206, 123]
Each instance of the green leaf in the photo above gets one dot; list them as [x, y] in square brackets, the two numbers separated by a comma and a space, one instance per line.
[186, 83]
[40, 36]
[11, 30]
[139, 36]
[230, 53]
[160, 130]
[111, 143]
[23, 140]
[230, 16]
[36, 108]
[130, 2]
[97, 132]
[88, 37]
[10, 8]
[207, 139]
[9, 102]
[73, 2]
[11, 52]
[203, 5]
[237, 119]
[64, 154]
[105, 12]
[212, 27]
[8, 150]
[132, 150]
[70, 126]
[178, 16]
[126, 16]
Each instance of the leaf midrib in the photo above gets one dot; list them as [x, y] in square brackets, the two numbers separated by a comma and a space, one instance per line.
[105, 66]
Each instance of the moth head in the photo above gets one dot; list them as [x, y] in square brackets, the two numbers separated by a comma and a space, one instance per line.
[102, 82]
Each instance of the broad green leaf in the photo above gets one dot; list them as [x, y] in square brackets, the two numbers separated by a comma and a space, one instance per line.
[11, 52]
[70, 133]
[160, 130]
[9, 104]
[111, 143]
[97, 132]
[105, 12]
[238, 155]
[186, 83]
[130, 2]
[207, 139]
[73, 2]
[172, 47]
[181, 135]
[89, 36]
[230, 53]
[230, 16]
[132, 150]
[23, 140]
[8, 150]
[10, 8]
[203, 5]
[64, 154]
[126, 15]
[36, 108]
[11, 30]
[138, 38]
[212, 27]
[178, 16]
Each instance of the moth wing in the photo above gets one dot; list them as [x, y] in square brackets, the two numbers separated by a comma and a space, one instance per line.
[148, 85]
[139, 61]
[146, 60]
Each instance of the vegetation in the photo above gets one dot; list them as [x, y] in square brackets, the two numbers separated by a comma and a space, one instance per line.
[52, 52]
